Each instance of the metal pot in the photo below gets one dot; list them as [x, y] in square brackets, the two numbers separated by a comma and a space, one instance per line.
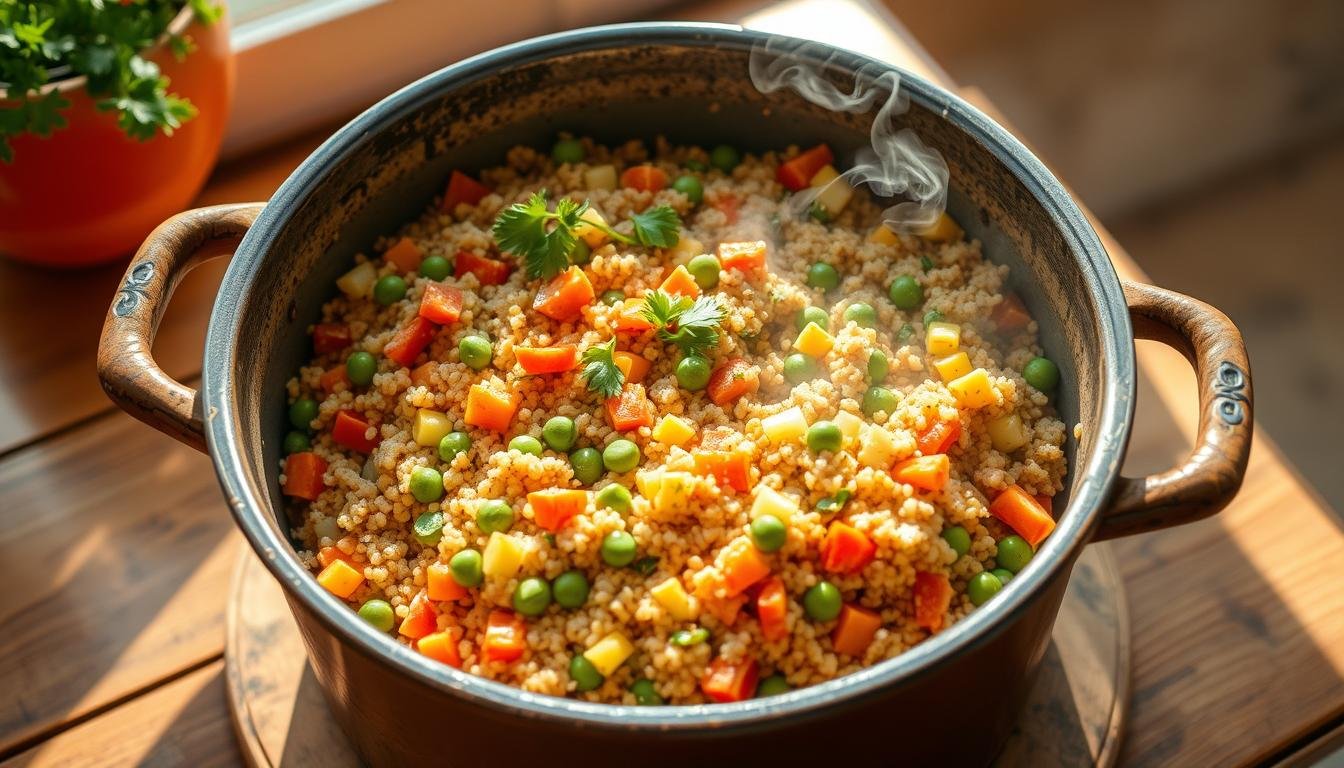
[950, 699]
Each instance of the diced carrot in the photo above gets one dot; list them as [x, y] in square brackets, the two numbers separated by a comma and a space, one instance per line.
[440, 584]
[565, 296]
[929, 473]
[554, 359]
[939, 437]
[855, 629]
[404, 254]
[772, 607]
[330, 337]
[351, 431]
[731, 380]
[441, 304]
[630, 410]
[631, 319]
[635, 367]
[553, 507]
[505, 636]
[646, 178]
[420, 374]
[680, 283]
[1019, 511]
[487, 270]
[726, 681]
[489, 408]
[933, 593]
[1047, 503]
[333, 377]
[728, 205]
[1010, 314]
[327, 555]
[409, 341]
[743, 257]
[731, 469]
[421, 618]
[340, 578]
[846, 549]
[463, 189]
[441, 647]
[797, 173]
[303, 475]
[743, 565]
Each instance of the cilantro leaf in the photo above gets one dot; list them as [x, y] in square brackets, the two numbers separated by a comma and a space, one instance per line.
[693, 326]
[541, 238]
[600, 369]
[657, 227]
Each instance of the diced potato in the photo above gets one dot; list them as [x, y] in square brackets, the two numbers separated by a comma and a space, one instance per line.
[673, 430]
[503, 556]
[1008, 433]
[672, 596]
[600, 177]
[944, 230]
[877, 448]
[340, 579]
[771, 502]
[849, 424]
[609, 653]
[814, 341]
[953, 366]
[592, 235]
[786, 426]
[942, 338]
[835, 191]
[686, 249]
[358, 282]
[974, 390]
[429, 427]
[883, 235]
[648, 481]
[674, 490]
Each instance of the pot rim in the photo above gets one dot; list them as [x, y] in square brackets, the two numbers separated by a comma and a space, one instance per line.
[247, 491]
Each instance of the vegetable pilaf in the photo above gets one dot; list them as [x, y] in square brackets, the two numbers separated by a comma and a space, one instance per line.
[646, 428]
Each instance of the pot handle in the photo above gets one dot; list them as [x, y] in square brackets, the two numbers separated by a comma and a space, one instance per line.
[126, 365]
[1211, 475]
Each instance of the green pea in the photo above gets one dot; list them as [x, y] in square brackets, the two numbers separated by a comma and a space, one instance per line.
[691, 188]
[861, 314]
[620, 456]
[705, 269]
[475, 351]
[768, 533]
[933, 316]
[559, 433]
[618, 549]
[531, 596]
[822, 602]
[296, 442]
[436, 267]
[819, 213]
[958, 539]
[582, 252]
[615, 496]
[696, 165]
[526, 444]
[879, 399]
[983, 586]
[813, 315]
[824, 436]
[645, 694]
[302, 412]
[570, 589]
[426, 484]
[1004, 575]
[568, 151]
[905, 292]
[379, 614]
[799, 368]
[428, 528]
[587, 465]
[693, 373]
[613, 297]
[494, 516]
[360, 367]
[772, 686]
[453, 443]
[389, 290]
[1014, 553]
[822, 275]
[1041, 373]
[584, 674]
[725, 158]
[878, 368]
[467, 568]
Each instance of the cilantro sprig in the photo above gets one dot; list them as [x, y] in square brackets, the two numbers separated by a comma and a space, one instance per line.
[692, 326]
[600, 369]
[544, 238]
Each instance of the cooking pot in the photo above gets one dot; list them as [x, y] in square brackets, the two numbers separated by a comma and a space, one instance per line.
[951, 699]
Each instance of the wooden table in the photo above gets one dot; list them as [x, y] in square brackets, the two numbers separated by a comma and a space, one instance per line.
[116, 548]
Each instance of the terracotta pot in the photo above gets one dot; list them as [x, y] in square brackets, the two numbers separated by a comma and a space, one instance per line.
[88, 193]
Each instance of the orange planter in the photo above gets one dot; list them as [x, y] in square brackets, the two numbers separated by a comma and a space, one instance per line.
[88, 193]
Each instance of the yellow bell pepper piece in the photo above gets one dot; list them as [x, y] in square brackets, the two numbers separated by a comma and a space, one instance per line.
[674, 599]
[340, 579]
[942, 339]
[953, 366]
[814, 341]
[609, 653]
[786, 426]
[768, 501]
[974, 390]
[944, 230]
[882, 235]
[1008, 433]
[503, 556]
[429, 427]
[673, 430]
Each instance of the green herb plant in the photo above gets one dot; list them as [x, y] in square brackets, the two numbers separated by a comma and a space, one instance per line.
[600, 370]
[690, 325]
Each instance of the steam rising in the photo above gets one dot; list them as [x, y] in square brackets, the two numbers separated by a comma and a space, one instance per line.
[896, 164]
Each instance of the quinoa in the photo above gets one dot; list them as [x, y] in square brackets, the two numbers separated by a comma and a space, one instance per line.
[365, 511]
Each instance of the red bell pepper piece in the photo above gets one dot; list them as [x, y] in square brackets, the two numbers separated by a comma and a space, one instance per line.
[488, 271]
[303, 475]
[349, 430]
[933, 593]
[630, 410]
[421, 618]
[505, 636]
[726, 681]
[846, 549]
[797, 173]
[463, 189]
[330, 337]
[441, 304]
[409, 341]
